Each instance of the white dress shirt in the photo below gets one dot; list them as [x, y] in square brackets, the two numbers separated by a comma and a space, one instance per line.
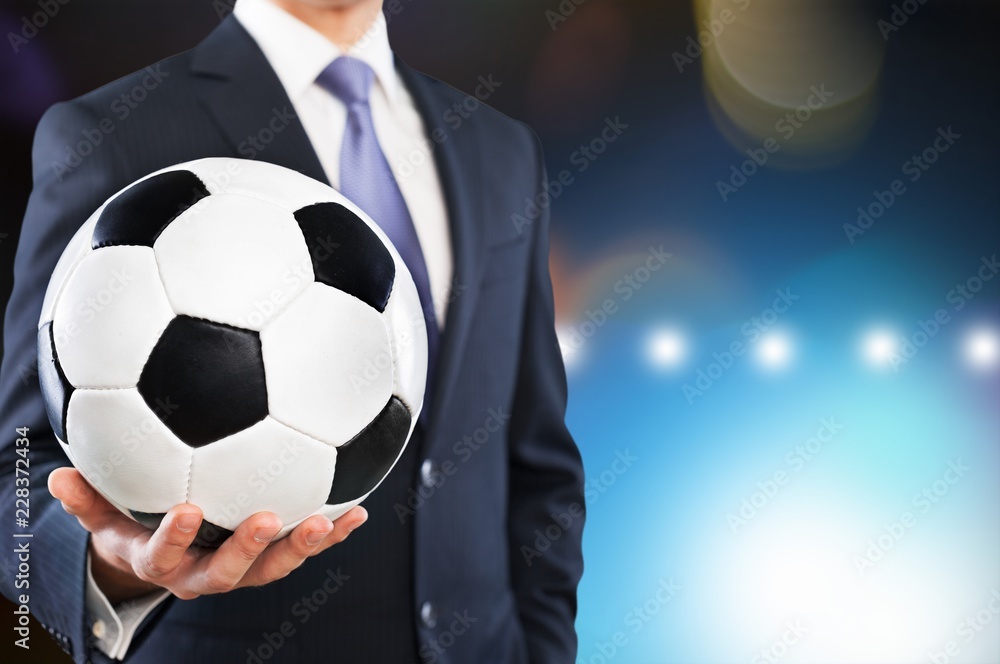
[298, 54]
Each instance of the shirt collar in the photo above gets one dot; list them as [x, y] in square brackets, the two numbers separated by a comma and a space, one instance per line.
[298, 53]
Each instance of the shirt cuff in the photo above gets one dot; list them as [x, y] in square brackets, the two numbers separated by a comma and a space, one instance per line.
[114, 628]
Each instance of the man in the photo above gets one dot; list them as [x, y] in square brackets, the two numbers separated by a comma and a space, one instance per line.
[472, 550]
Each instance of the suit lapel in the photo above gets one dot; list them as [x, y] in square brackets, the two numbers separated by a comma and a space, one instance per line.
[458, 164]
[246, 100]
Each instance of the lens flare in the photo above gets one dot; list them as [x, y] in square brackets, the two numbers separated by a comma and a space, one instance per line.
[570, 346]
[982, 348]
[879, 346]
[665, 348]
[774, 351]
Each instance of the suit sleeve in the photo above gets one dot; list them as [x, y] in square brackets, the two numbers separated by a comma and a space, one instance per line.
[74, 171]
[546, 503]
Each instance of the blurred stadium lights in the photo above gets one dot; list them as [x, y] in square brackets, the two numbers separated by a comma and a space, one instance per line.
[982, 348]
[879, 346]
[569, 345]
[774, 350]
[665, 348]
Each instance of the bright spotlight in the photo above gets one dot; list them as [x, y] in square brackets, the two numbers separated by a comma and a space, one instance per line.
[982, 348]
[879, 347]
[570, 345]
[665, 348]
[774, 350]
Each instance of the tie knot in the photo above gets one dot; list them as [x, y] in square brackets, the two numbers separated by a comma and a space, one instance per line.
[349, 79]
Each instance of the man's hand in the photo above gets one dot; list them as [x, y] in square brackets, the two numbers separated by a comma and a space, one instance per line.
[129, 560]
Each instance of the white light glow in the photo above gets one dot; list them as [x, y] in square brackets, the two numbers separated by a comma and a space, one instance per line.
[982, 348]
[570, 346]
[792, 564]
[665, 348]
[879, 347]
[774, 351]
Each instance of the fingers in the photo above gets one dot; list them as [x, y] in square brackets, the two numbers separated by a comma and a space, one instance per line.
[282, 557]
[69, 487]
[225, 568]
[81, 500]
[343, 527]
[164, 551]
[165, 557]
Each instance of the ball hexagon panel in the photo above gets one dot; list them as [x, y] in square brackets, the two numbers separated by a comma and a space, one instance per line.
[233, 260]
[212, 377]
[52, 380]
[404, 320]
[75, 251]
[366, 459]
[346, 254]
[109, 316]
[321, 376]
[123, 449]
[138, 215]
[266, 467]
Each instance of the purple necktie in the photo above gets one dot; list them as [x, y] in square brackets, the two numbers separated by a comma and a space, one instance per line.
[366, 179]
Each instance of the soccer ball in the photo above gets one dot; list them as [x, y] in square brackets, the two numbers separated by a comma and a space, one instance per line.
[234, 335]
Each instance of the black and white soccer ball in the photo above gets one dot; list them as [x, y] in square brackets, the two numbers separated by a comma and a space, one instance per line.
[235, 335]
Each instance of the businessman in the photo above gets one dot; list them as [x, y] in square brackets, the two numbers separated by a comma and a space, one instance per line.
[471, 551]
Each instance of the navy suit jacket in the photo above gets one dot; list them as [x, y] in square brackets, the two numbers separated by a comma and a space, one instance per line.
[475, 561]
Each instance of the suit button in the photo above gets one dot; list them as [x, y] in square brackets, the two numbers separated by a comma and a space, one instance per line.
[428, 471]
[428, 615]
